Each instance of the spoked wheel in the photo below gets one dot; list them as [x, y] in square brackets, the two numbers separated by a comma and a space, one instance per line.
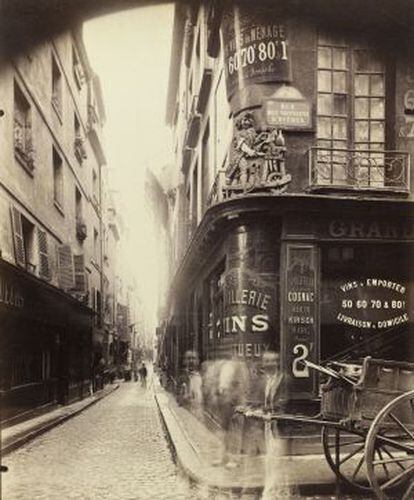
[344, 452]
[389, 451]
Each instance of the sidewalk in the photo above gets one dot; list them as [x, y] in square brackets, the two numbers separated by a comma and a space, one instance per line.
[17, 435]
[196, 448]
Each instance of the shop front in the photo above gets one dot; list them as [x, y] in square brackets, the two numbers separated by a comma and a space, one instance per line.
[45, 344]
[350, 295]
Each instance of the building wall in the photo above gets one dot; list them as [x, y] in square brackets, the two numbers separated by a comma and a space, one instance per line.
[33, 192]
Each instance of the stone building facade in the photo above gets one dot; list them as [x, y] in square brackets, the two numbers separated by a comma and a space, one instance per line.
[291, 223]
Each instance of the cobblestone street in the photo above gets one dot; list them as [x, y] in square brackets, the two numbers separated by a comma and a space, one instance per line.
[115, 450]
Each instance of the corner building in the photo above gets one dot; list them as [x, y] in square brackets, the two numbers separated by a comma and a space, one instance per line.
[291, 222]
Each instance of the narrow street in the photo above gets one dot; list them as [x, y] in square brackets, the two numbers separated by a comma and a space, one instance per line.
[114, 450]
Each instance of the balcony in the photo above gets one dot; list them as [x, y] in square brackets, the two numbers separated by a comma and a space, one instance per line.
[359, 170]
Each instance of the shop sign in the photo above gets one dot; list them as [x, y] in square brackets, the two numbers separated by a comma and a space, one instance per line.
[372, 303]
[248, 314]
[300, 333]
[10, 295]
[370, 229]
[288, 114]
[255, 47]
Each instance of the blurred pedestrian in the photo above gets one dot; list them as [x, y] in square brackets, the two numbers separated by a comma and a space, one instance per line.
[143, 372]
[232, 390]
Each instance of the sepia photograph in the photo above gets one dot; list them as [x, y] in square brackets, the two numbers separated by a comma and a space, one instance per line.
[206, 250]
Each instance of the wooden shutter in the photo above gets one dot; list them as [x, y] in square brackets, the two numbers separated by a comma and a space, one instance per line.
[44, 267]
[80, 277]
[19, 252]
[65, 266]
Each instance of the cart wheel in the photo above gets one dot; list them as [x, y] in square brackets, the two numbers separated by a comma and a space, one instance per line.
[344, 452]
[389, 451]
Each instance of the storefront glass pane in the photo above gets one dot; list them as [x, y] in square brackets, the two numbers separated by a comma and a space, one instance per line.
[366, 304]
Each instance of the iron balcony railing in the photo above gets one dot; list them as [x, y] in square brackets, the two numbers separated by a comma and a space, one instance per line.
[359, 169]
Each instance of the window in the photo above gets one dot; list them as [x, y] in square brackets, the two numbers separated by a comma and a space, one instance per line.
[194, 197]
[56, 87]
[57, 179]
[79, 145]
[28, 231]
[205, 167]
[78, 74]
[95, 190]
[351, 112]
[22, 129]
[96, 246]
[78, 204]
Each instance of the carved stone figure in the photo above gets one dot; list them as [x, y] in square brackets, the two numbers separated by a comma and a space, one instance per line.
[258, 158]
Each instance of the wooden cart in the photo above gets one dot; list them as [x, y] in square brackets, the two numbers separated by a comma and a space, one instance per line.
[367, 420]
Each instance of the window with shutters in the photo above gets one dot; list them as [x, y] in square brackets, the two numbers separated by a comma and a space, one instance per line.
[65, 267]
[351, 112]
[80, 275]
[17, 230]
[57, 180]
[28, 230]
[56, 88]
[44, 265]
[22, 130]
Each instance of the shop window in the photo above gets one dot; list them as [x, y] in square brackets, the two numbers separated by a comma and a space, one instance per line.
[56, 87]
[22, 130]
[57, 179]
[26, 368]
[351, 112]
[365, 303]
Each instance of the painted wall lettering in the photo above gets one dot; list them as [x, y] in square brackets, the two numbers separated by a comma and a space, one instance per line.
[372, 303]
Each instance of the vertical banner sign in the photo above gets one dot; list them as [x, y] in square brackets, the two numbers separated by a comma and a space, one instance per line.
[255, 47]
[300, 335]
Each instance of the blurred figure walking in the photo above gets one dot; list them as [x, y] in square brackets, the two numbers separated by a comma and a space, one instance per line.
[143, 372]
